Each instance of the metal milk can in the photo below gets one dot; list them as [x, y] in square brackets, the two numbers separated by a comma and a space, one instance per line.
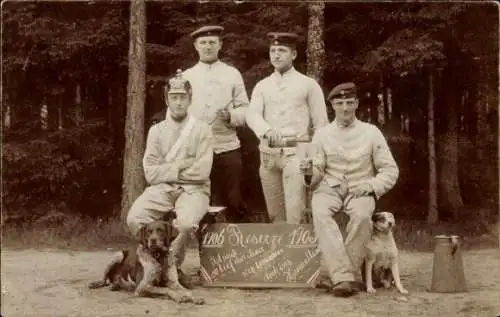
[448, 270]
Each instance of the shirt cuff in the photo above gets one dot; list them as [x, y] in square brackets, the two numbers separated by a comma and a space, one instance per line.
[378, 189]
[173, 173]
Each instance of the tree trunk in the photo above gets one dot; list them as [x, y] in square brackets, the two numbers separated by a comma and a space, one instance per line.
[373, 107]
[482, 122]
[498, 148]
[449, 187]
[110, 109]
[133, 176]
[7, 119]
[78, 105]
[119, 114]
[59, 113]
[44, 116]
[316, 54]
[432, 214]
[483, 146]
[387, 107]
[393, 121]
[380, 108]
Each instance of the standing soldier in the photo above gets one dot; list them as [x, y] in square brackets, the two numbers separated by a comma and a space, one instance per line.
[220, 99]
[284, 105]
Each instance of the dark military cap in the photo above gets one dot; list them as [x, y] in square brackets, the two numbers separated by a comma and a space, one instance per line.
[344, 90]
[207, 30]
[283, 38]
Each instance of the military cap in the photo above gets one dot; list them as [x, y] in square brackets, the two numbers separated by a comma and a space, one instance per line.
[283, 38]
[344, 90]
[207, 30]
[178, 85]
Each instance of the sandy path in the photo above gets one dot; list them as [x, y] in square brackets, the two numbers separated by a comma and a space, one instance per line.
[53, 283]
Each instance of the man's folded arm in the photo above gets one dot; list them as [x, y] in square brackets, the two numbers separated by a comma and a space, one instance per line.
[199, 170]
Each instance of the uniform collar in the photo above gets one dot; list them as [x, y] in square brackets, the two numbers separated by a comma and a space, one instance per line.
[344, 127]
[286, 74]
[207, 66]
[169, 120]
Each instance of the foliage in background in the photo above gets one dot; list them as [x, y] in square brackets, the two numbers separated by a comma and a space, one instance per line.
[73, 171]
[50, 47]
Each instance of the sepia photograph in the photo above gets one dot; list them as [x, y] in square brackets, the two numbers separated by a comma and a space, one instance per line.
[243, 158]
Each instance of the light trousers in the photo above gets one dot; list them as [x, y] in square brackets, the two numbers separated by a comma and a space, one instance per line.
[283, 186]
[157, 200]
[342, 259]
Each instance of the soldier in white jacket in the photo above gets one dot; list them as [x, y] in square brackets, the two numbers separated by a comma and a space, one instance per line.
[220, 99]
[177, 163]
[286, 104]
[352, 168]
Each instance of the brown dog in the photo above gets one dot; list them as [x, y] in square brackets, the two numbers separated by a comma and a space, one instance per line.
[151, 268]
[381, 266]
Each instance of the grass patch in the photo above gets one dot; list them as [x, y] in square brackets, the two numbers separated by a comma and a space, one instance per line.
[91, 234]
[414, 235]
[72, 233]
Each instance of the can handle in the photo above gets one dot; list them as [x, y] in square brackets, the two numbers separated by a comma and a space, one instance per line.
[454, 244]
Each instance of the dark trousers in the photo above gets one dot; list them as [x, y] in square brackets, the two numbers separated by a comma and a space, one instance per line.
[225, 181]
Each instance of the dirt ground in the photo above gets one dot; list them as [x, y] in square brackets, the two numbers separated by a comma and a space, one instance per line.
[53, 283]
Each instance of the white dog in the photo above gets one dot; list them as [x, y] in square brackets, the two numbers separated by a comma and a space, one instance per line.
[381, 261]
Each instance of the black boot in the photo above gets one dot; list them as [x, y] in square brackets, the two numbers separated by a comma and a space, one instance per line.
[184, 279]
[345, 289]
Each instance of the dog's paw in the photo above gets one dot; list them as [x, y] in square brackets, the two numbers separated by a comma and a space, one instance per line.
[176, 286]
[139, 293]
[403, 290]
[401, 298]
[185, 299]
[114, 287]
[370, 290]
[96, 284]
[199, 301]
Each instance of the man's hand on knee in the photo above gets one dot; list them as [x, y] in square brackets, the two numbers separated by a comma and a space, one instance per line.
[186, 163]
[185, 226]
[363, 189]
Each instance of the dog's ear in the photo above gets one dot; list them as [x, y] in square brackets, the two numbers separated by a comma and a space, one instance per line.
[170, 215]
[142, 236]
[170, 232]
[377, 217]
[391, 217]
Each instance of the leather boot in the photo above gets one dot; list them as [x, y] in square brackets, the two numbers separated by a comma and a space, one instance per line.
[345, 289]
[184, 279]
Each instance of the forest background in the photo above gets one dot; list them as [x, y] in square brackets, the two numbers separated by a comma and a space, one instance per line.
[82, 82]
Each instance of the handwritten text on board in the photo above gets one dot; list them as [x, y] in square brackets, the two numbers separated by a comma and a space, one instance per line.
[244, 254]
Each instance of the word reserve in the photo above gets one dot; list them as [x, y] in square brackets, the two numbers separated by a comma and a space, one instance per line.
[259, 255]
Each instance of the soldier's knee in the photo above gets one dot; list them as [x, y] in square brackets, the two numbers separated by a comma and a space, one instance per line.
[361, 219]
[134, 218]
[319, 207]
[323, 204]
[133, 223]
[186, 225]
[362, 211]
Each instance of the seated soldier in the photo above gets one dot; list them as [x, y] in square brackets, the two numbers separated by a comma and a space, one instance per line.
[177, 163]
[352, 166]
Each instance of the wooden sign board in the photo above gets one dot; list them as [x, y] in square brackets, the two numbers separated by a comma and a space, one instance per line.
[259, 255]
